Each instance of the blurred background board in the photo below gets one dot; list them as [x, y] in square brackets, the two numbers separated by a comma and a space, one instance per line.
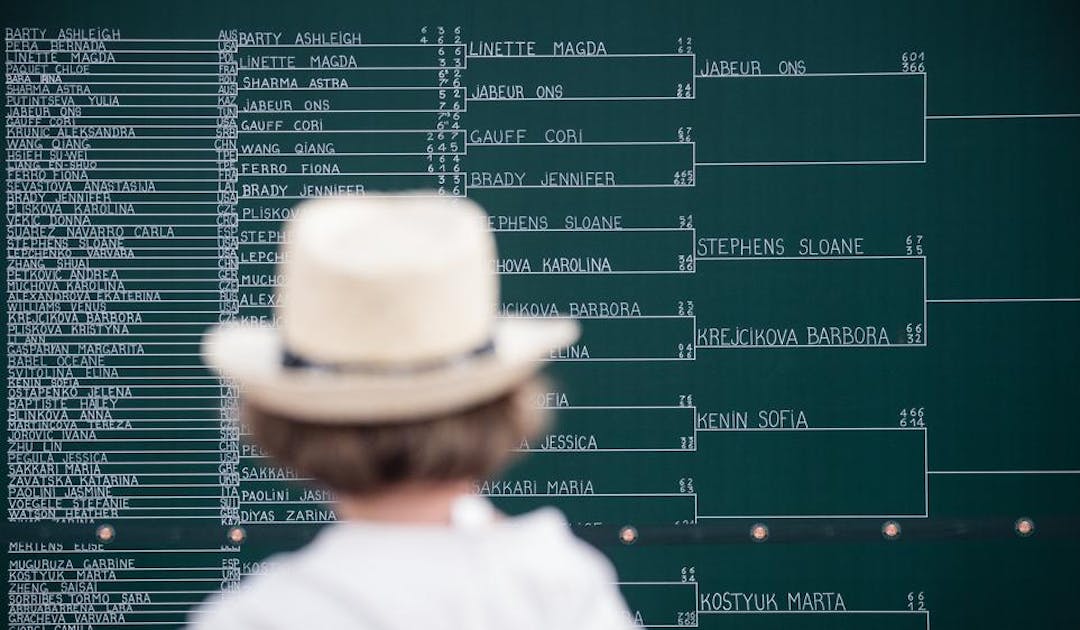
[824, 254]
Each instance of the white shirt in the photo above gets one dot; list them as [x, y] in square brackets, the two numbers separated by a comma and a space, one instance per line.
[520, 573]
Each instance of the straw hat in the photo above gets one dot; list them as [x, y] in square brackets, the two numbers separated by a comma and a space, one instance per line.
[387, 312]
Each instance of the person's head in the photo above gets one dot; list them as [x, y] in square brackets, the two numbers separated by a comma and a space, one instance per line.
[388, 363]
[358, 460]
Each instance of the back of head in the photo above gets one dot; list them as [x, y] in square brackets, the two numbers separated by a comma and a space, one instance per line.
[360, 459]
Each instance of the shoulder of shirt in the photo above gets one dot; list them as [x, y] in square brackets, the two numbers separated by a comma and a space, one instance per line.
[550, 540]
[253, 598]
[578, 568]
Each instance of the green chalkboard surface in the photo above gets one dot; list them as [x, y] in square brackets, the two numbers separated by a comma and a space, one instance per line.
[825, 256]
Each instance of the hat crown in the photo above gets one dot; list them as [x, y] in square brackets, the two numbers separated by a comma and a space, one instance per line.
[396, 280]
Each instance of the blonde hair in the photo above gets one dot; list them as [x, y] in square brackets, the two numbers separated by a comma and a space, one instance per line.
[364, 459]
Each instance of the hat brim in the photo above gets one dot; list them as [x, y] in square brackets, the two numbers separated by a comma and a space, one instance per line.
[251, 356]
